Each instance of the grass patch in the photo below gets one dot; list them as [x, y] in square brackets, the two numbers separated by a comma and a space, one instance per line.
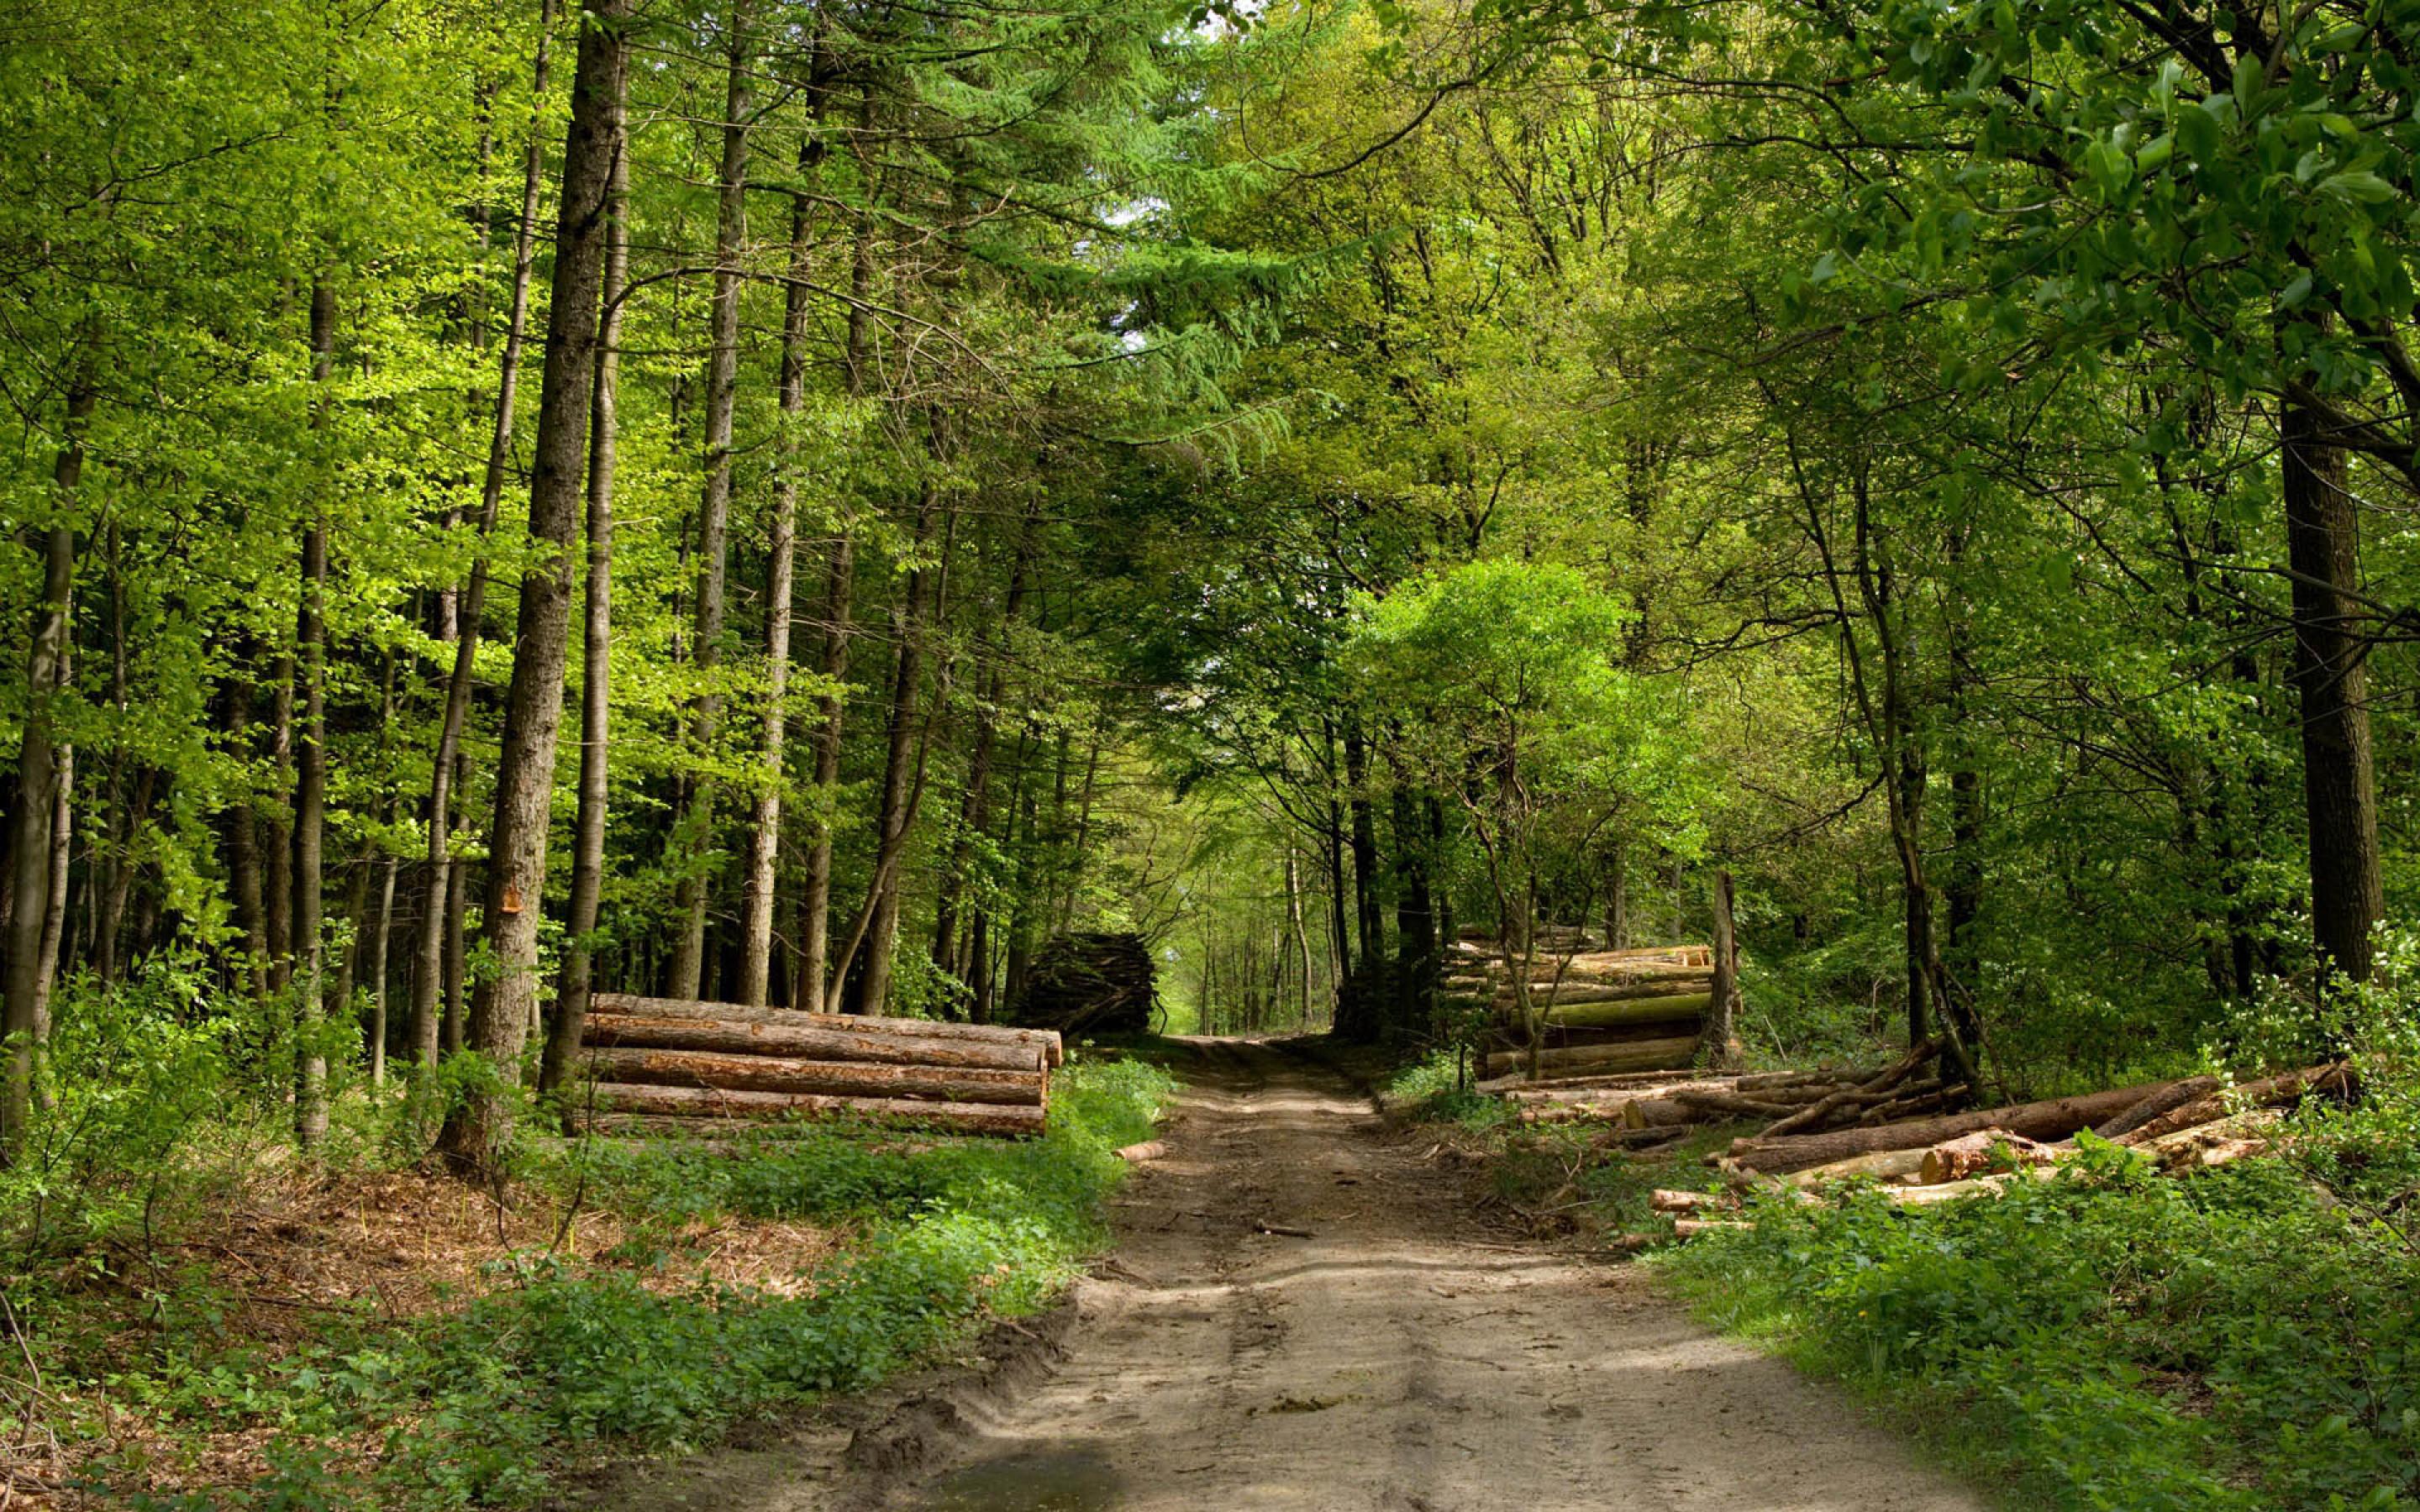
[2108, 1340]
[651, 1338]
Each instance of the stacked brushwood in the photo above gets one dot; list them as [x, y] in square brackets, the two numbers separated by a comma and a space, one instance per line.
[1599, 1012]
[661, 1065]
[1091, 983]
[2183, 1126]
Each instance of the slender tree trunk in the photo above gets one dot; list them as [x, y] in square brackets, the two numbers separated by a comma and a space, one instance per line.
[974, 815]
[2339, 789]
[243, 848]
[443, 908]
[714, 509]
[1416, 943]
[55, 918]
[516, 889]
[816, 991]
[1301, 938]
[765, 833]
[577, 983]
[457, 964]
[277, 856]
[379, 946]
[39, 777]
[311, 768]
[876, 931]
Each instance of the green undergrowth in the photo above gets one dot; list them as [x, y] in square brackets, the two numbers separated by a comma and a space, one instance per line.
[2244, 1338]
[559, 1363]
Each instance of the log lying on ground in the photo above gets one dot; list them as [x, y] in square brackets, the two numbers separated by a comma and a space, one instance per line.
[1645, 1055]
[1971, 1155]
[1882, 1165]
[1666, 1200]
[806, 1041]
[1046, 1040]
[1572, 994]
[828, 1078]
[1656, 1010]
[691, 1103]
[2335, 1079]
[1692, 1227]
[2051, 1118]
[1854, 1094]
[2166, 1100]
[1611, 1080]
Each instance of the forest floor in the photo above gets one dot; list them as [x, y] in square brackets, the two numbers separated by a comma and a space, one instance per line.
[1306, 1309]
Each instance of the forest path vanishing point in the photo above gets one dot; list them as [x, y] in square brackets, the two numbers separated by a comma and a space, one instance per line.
[1399, 1358]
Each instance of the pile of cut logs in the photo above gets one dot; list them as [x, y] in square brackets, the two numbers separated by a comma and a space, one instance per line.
[1888, 1124]
[1091, 984]
[663, 1065]
[1599, 1012]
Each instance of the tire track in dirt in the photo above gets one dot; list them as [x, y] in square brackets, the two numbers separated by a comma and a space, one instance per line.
[1399, 1360]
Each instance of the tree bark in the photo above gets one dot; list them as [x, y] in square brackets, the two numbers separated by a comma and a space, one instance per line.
[765, 831]
[2053, 1119]
[714, 508]
[975, 813]
[311, 765]
[648, 1066]
[764, 1035]
[443, 906]
[815, 991]
[516, 889]
[38, 778]
[874, 930]
[1718, 1044]
[2340, 788]
[572, 993]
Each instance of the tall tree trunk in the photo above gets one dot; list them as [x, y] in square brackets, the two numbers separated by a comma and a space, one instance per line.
[975, 813]
[55, 919]
[442, 909]
[714, 508]
[2339, 791]
[765, 833]
[1301, 937]
[1365, 854]
[577, 983]
[277, 855]
[814, 990]
[379, 947]
[1415, 942]
[311, 765]
[38, 778]
[244, 846]
[516, 889]
[876, 926]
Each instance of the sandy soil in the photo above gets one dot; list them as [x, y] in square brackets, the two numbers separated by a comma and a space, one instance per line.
[1399, 1358]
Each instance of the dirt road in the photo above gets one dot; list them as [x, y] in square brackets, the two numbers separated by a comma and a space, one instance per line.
[1398, 1358]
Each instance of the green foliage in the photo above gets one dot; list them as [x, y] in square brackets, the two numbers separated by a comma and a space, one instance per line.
[2107, 1339]
[554, 1360]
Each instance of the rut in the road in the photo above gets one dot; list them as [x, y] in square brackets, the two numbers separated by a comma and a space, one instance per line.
[1395, 1359]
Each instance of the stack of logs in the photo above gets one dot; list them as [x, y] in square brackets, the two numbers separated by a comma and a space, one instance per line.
[1091, 984]
[1888, 1125]
[1602, 1011]
[665, 1065]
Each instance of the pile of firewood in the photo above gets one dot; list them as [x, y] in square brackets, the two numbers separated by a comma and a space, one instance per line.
[2184, 1125]
[662, 1065]
[1091, 984]
[1597, 1011]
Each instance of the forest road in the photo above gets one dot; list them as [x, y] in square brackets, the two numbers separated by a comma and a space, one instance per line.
[1400, 1358]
